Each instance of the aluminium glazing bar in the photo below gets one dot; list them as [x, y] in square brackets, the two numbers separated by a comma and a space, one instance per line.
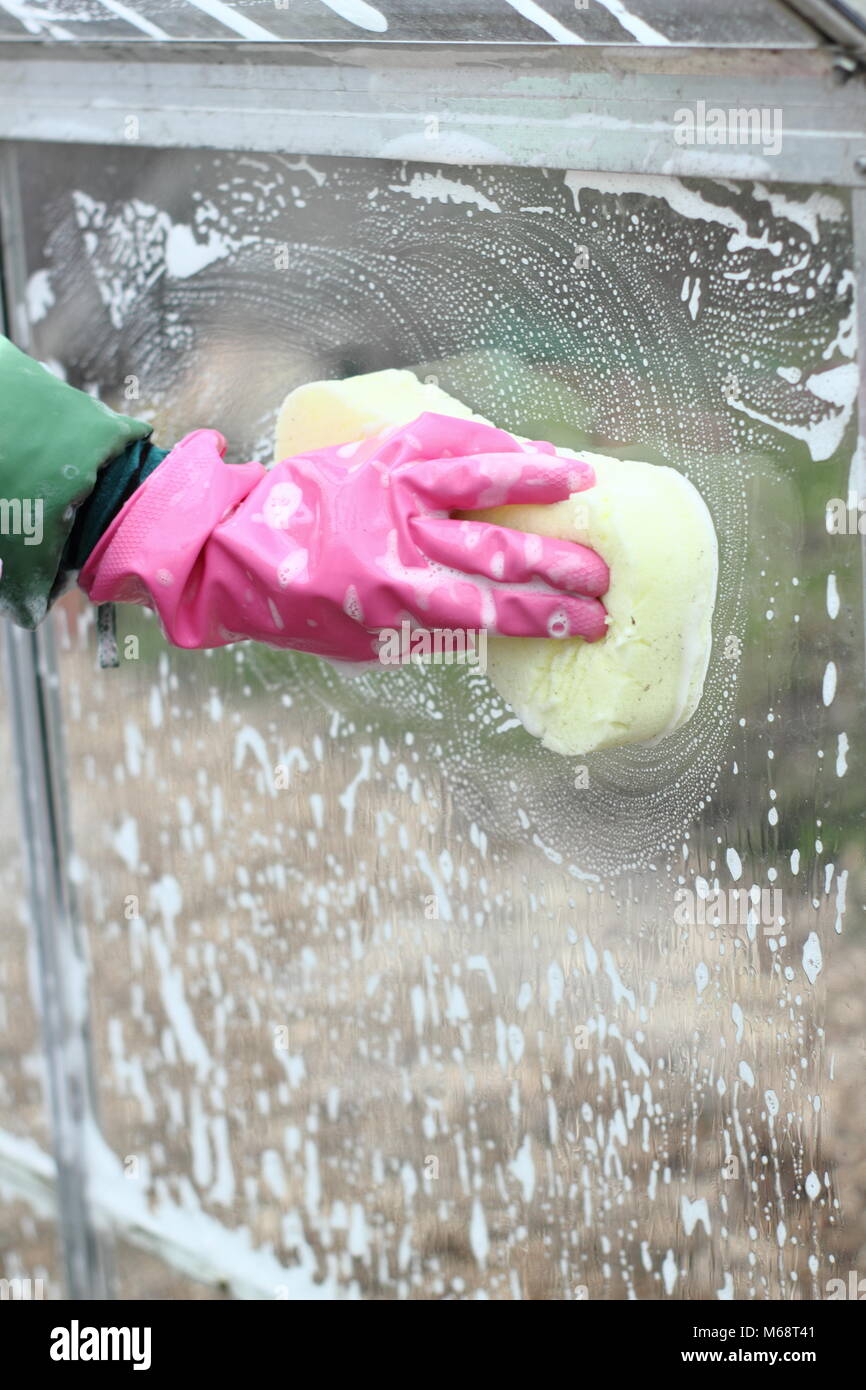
[60, 959]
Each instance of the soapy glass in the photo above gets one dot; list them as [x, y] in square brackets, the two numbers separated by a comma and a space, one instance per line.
[429, 1010]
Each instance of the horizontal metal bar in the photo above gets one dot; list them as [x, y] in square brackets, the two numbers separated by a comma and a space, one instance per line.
[810, 39]
[394, 54]
[192, 1242]
[612, 109]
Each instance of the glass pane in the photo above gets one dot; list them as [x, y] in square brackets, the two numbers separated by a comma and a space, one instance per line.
[500, 21]
[436, 1013]
[140, 1275]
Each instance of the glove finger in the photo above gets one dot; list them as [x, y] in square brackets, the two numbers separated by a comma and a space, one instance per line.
[522, 612]
[498, 480]
[434, 436]
[514, 557]
[463, 603]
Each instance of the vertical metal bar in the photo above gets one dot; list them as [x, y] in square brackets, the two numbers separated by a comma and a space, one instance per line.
[857, 479]
[62, 969]
[61, 962]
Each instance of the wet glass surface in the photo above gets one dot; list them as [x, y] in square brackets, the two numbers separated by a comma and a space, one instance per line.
[388, 999]
[763, 22]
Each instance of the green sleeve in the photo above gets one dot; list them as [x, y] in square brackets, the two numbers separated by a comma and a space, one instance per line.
[53, 442]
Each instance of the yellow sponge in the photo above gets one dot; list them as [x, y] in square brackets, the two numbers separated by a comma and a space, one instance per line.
[644, 679]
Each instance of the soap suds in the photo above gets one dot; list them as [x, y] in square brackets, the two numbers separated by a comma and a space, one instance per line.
[545, 21]
[359, 13]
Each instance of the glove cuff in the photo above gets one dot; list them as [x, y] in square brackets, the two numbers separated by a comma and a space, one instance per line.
[114, 486]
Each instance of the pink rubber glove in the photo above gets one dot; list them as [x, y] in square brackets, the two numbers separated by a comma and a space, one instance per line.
[322, 551]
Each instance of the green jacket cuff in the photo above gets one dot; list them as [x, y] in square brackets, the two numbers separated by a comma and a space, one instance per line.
[53, 442]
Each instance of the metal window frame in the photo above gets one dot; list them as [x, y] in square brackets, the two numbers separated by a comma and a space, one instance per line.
[596, 108]
[37, 741]
[601, 108]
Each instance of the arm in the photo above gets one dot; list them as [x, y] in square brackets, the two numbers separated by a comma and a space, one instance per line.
[318, 553]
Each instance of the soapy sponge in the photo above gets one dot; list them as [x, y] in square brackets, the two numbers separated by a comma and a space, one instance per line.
[644, 679]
